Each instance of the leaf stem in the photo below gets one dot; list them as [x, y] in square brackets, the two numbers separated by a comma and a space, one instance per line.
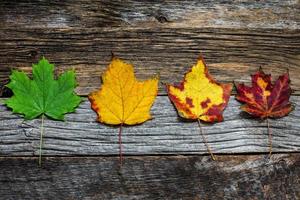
[41, 141]
[205, 141]
[120, 145]
[270, 137]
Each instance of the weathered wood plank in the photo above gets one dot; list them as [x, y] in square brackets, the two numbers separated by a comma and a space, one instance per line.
[80, 134]
[232, 54]
[158, 37]
[104, 13]
[174, 177]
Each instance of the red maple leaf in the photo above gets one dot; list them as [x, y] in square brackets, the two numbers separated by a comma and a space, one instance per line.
[265, 99]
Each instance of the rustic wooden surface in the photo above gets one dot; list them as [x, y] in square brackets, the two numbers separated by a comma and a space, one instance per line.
[162, 37]
[165, 37]
[80, 134]
[175, 177]
[104, 13]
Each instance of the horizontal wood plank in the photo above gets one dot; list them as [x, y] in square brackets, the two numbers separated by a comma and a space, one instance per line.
[231, 54]
[173, 13]
[162, 37]
[80, 134]
[174, 177]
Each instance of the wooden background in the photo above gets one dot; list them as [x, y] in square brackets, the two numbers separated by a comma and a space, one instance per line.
[165, 158]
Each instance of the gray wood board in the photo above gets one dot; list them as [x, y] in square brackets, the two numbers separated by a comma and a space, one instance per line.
[80, 134]
[167, 177]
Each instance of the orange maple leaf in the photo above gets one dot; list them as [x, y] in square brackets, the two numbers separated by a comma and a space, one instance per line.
[122, 99]
[264, 99]
[199, 96]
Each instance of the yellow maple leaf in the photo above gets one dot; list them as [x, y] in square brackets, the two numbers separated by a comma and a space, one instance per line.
[122, 99]
[200, 97]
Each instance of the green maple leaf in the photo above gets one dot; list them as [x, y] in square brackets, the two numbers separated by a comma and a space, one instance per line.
[43, 95]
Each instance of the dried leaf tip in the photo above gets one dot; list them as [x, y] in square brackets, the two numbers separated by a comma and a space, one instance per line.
[112, 55]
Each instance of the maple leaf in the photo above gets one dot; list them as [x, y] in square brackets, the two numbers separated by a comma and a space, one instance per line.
[264, 99]
[43, 95]
[199, 96]
[122, 99]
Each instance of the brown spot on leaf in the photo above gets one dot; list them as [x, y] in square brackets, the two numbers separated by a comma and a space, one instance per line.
[189, 102]
[205, 103]
[179, 86]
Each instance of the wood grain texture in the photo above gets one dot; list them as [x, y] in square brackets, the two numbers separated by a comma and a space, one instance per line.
[165, 37]
[80, 134]
[174, 177]
[157, 37]
[105, 13]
